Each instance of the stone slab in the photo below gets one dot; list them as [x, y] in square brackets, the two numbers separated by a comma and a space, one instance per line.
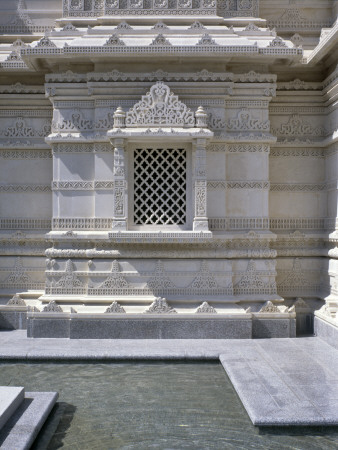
[22, 428]
[46, 327]
[13, 320]
[280, 383]
[10, 399]
[326, 331]
[166, 328]
[273, 328]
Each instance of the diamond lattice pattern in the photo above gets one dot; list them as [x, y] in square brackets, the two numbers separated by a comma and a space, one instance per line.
[160, 186]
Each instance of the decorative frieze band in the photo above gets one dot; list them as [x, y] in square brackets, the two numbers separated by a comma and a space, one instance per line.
[25, 224]
[246, 104]
[301, 223]
[238, 223]
[82, 224]
[252, 223]
[297, 110]
[238, 148]
[159, 75]
[24, 188]
[294, 187]
[35, 113]
[82, 148]
[19, 88]
[215, 223]
[82, 185]
[25, 154]
[298, 151]
[217, 184]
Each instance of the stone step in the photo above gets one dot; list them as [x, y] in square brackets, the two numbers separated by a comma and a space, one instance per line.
[10, 400]
[24, 425]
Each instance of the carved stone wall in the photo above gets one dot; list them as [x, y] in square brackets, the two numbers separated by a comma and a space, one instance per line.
[260, 146]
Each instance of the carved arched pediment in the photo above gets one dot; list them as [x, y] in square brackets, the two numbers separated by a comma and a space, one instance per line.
[160, 108]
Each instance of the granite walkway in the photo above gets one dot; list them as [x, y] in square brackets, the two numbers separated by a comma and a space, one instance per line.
[279, 381]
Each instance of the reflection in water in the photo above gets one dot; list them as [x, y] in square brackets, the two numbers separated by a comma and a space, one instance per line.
[151, 406]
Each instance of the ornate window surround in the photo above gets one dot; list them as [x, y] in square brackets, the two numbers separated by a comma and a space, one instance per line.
[160, 118]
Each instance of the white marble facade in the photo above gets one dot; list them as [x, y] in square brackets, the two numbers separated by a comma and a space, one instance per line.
[180, 149]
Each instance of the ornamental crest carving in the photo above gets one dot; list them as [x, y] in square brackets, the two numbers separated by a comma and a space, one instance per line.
[160, 107]
[18, 276]
[160, 306]
[52, 307]
[115, 308]
[115, 279]
[245, 122]
[69, 279]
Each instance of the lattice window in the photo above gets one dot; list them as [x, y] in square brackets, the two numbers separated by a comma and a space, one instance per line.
[160, 186]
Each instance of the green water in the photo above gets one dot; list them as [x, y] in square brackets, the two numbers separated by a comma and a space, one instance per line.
[151, 406]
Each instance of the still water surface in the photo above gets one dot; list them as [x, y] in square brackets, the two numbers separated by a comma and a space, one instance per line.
[151, 406]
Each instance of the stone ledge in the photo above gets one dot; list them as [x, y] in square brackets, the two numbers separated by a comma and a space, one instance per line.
[10, 399]
[22, 428]
[158, 326]
[138, 328]
[326, 329]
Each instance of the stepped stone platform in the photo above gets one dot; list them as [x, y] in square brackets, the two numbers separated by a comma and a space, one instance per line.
[22, 416]
[289, 381]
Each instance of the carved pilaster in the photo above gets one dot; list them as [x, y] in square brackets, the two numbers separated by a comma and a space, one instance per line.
[200, 185]
[120, 186]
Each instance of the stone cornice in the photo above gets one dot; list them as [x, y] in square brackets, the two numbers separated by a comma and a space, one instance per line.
[328, 44]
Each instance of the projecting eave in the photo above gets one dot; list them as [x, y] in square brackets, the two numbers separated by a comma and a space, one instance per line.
[327, 49]
[46, 58]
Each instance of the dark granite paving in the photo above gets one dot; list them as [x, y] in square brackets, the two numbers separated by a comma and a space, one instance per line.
[279, 381]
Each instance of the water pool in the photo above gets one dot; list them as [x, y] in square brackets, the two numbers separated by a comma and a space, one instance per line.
[151, 406]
